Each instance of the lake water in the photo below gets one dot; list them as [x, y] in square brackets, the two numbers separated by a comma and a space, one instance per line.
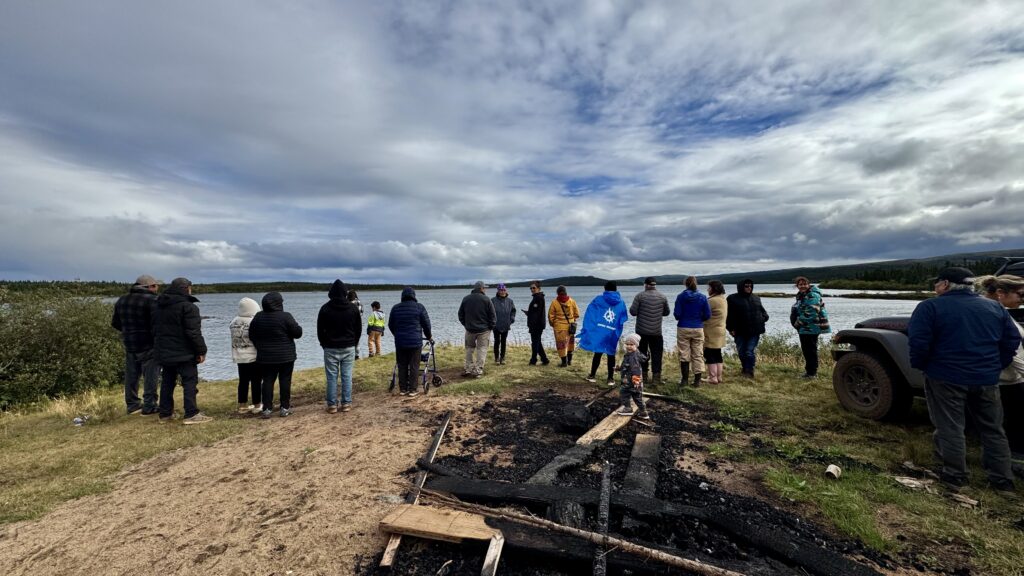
[219, 309]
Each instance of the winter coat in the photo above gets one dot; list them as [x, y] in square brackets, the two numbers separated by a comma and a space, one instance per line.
[535, 314]
[243, 351]
[631, 372]
[962, 338]
[375, 323]
[177, 329]
[409, 322]
[274, 332]
[476, 313]
[338, 324]
[691, 309]
[745, 316]
[649, 307]
[603, 322]
[714, 327]
[133, 318]
[504, 313]
[808, 314]
[558, 312]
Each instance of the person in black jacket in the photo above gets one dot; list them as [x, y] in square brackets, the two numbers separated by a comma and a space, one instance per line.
[476, 314]
[180, 349]
[274, 332]
[338, 328]
[745, 319]
[409, 323]
[536, 322]
[133, 318]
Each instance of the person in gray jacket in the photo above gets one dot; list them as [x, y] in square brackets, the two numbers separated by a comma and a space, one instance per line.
[476, 314]
[649, 307]
[505, 311]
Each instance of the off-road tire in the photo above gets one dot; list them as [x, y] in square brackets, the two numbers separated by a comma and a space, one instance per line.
[865, 386]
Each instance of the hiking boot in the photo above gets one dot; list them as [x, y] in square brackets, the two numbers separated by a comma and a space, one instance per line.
[348, 407]
[199, 418]
[591, 377]
[332, 409]
[285, 412]
[266, 414]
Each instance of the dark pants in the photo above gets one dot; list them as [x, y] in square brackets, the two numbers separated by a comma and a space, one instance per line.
[635, 395]
[746, 347]
[272, 372]
[142, 364]
[537, 348]
[249, 378]
[596, 362]
[1013, 395]
[809, 347]
[652, 347]
[407, 361]
[500, 337]
[948, 406]
[189, 372]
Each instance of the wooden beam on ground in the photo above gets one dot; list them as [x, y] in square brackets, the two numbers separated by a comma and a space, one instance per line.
[605, 428]
[395, 540]
[642, 473]
[600, 554]
[493, 554]
[662, 397]
[584, 447]
[437, 523]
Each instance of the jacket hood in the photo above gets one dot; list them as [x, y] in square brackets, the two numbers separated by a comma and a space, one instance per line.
[247, 307]
[690, 295]
[273, 302]
[612, 297]
[408, 294]
[170, 296]
[812, 290]
[739, 286]
[338, 291]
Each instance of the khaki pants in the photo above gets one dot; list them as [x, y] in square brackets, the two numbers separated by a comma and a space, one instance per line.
[477, 345]
[373, 343]
[690, 344]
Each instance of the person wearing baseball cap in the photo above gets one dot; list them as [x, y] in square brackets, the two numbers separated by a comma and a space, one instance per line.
[650, 306]
[505, 317]
[133, 318]
[476, 314]
[962, 342]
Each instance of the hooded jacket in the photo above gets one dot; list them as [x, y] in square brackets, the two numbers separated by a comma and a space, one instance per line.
[691, 309]
[243, 351]
[133, 318]
[745, 315]
[808, 314]
[649, 306]
[177, 330]
[409, 322]
[338, 324]
[535, 314]
[476, 312]
[603, 322]
[504, 313]
[274, 332]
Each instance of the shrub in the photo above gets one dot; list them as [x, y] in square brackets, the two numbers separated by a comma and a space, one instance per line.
[55, 345]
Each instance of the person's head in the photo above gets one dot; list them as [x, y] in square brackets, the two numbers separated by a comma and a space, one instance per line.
[352, 296]
[610, 286]
[650, 283]
[715, 287]
[408, 293]
[745, 287]
[273, 302]
[953, 278]
[502, 290]
[181, 285]
[561, 291]
[802, 283]
[479, 286]
[148, 282]
[247, 307]
[1007, 289]
[535, 286]
[375, 305]
[690, 282]
[631, 342]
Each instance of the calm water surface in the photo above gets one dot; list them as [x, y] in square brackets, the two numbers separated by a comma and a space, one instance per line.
[219, 309]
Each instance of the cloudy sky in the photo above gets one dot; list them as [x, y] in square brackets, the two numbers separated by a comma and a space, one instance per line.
[448, 141]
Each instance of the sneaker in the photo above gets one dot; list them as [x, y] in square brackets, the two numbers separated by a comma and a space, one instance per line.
[332, 409]
[244, 408]
[137, 410]
[149, 411]
[165, 419]
[468, 373]
[644, 416]
[199, 418]
[611, 382]
[591, 378]
[346, 407]
[285, 412]
[413, 394]
[624, 411]
[266, 414]
[403, 393]
[546, 362]
[256, 409]
[808, 375]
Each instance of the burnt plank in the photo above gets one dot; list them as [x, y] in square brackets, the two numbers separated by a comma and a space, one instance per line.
[642, 473]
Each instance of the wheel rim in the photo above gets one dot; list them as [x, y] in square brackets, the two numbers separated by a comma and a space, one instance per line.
[861, 386]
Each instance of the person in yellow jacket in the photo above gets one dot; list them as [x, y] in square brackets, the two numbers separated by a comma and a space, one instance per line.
[375, 329]
[562, 316]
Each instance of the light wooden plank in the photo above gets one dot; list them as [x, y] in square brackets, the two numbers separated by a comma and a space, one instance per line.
[605, 428]
[437, 524]
[493, 555]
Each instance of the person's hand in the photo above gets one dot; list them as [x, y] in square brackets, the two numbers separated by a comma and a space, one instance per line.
[201, 358]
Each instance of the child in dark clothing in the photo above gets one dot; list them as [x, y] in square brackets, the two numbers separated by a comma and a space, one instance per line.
[632, 379]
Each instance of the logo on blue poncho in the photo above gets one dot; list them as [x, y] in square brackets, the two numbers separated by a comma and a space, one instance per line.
[609, 316]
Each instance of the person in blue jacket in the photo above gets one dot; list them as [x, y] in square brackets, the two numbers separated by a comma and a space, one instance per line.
[691, 310]
[603, 321]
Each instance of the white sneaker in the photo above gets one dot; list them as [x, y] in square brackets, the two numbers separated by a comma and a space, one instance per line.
[256, 409]
[244, 409]
[625, 411]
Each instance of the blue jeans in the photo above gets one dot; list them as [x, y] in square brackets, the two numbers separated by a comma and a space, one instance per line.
[745, 347]
[339, 360]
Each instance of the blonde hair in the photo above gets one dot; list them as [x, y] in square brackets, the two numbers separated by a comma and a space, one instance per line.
[990, 284]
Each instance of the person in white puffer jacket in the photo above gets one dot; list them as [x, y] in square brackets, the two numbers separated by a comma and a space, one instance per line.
[243, 353]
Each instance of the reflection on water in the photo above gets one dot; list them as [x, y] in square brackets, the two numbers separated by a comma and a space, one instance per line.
[219, 309]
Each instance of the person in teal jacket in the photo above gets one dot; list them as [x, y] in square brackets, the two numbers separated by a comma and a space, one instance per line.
[810, 319]
[603, 322]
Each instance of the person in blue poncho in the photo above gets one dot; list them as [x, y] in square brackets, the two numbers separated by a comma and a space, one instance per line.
[603, 321]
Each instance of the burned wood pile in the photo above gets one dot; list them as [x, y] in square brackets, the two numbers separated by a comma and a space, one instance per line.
[610, 501]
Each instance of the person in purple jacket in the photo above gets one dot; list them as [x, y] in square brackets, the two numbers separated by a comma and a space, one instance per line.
[691, 310]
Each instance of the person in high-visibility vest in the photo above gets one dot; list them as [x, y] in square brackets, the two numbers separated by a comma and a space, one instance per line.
[374, 329]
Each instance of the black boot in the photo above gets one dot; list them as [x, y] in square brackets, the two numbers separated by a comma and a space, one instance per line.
[569, 357]
[696, 380]
[564, 363]
[684, 373]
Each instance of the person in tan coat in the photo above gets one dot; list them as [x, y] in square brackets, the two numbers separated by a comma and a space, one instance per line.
[714, 331]
[562, 316]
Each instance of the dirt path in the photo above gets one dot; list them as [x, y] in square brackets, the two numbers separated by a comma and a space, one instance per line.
[301, 495]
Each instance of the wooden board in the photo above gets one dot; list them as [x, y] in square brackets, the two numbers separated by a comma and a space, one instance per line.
[493, 555]
[642, 474]
[437, 524]
[605, 428]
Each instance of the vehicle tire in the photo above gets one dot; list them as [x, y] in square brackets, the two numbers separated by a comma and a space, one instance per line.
[866, 387]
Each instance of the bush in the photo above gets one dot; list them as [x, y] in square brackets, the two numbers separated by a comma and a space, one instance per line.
[54, 346]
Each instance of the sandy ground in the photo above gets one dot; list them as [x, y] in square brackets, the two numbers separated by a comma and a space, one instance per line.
[297, 495]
